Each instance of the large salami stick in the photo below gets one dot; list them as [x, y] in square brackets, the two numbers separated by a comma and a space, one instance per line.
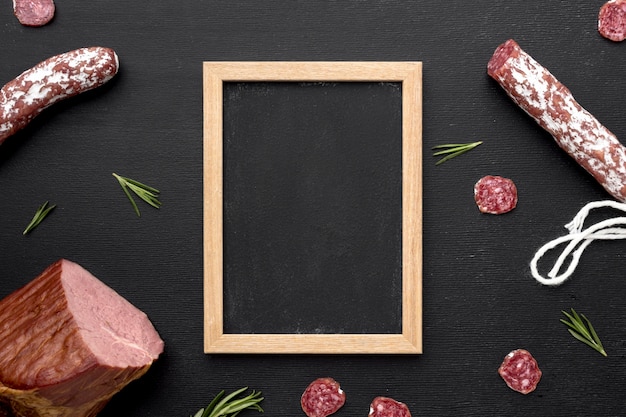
[52, 80]
[552, 105]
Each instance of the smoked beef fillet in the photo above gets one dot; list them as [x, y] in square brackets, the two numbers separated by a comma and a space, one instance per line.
[68, 343]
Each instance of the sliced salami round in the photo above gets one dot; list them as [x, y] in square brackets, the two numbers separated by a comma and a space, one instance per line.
[612, 20]
[495, 195]
[322, 398]
[33, 12]
[520, 371]
[388, 407]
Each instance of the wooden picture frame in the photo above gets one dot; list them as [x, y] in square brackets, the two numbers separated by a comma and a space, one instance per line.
[409, 74]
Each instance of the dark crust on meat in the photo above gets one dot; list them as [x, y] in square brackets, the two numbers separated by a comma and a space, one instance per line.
[22, 352]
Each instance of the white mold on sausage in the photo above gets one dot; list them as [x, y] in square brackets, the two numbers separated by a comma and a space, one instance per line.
[552, 105]
[57, 78]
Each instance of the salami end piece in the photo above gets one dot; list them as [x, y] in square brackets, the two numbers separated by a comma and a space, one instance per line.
[612, 20]
[388, 407]
[495, 195]
[520, 371]
[322, 398]
[34, 12]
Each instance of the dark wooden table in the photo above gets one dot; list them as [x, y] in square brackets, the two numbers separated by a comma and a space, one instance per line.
[480, 300]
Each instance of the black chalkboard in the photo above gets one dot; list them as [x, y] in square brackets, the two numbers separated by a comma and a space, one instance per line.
[312, 200]
[312, 207]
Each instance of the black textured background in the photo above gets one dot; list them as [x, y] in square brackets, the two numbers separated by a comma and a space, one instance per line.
[479, 298]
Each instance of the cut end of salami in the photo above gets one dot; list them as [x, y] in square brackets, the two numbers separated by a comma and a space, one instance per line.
[612, 20]
[499, 58]
[322, 398]
[33, 12]
[495, 195]
[520, 371]
[388, 407]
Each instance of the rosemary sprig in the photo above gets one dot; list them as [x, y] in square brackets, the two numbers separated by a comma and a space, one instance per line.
[229, 406]
[580, 327]
[40, 214]
[146, 193]
[453, 149]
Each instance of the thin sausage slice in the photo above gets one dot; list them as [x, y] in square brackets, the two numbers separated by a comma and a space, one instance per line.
[388, 407]
[34, 12]
[495, 194]
[612, 20]
[322, 398]
[520, 371]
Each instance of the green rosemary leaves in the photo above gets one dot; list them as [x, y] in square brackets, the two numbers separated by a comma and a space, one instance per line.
[450, 150]
[580, 327]
[41, 214]
[230, 406]
[148, 194]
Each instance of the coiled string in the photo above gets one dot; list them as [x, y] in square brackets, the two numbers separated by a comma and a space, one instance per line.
[579, 239]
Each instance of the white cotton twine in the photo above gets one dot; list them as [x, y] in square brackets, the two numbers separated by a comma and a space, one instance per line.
[579, 239]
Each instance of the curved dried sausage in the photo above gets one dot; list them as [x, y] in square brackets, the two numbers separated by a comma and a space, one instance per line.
[52, 80]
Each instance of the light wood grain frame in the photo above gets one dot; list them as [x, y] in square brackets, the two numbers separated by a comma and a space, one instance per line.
[409, 74]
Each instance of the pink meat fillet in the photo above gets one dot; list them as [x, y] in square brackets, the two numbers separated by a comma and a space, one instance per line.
[322, 398]
[612, 20]
[33, 12]
[388, 407]
[57, 78]
[520, 371]
[552, 106]
[68, 343]
[495, 194]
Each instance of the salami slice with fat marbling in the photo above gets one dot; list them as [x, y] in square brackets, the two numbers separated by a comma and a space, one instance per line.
[34, 12]
[612, 20]
[520, 371]
[495, 195]
[388, 407]
[322, 398]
